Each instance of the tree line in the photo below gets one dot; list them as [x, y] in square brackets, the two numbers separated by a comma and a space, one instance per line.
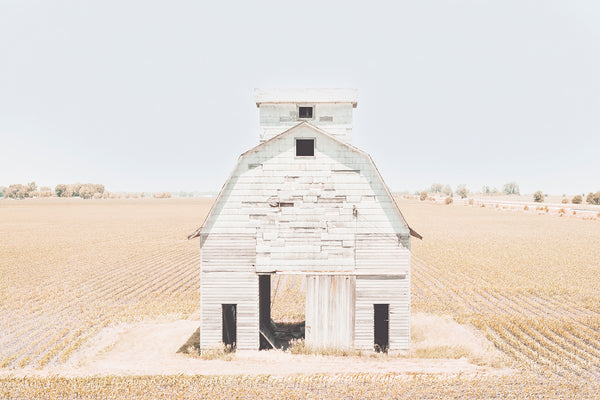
[463, 191]
[82, 190]
[30, 190]
[591, 198]
[509, 188]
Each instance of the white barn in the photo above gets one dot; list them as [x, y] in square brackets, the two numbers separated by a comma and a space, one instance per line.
[306, 202]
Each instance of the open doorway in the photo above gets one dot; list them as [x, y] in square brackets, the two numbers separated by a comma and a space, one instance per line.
[229, 313]
[264, 312]
[381, 327]
[281, 310]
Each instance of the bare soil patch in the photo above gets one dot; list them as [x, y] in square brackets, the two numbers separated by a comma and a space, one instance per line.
[150, 348]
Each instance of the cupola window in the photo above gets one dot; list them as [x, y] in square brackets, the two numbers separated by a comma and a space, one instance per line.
[305, 112]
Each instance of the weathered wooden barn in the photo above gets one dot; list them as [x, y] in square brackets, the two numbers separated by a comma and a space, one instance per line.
[306, 202]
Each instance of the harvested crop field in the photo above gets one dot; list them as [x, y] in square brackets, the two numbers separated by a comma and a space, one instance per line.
[71, 269]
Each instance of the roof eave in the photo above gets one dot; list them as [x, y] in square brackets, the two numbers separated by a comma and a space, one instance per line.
[196, 233]
[414, 233]
[354, 103]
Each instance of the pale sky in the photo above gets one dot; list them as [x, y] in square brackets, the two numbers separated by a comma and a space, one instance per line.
[158, 95]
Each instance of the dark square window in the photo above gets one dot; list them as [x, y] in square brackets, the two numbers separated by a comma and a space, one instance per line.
[305, 147]
[305, 112]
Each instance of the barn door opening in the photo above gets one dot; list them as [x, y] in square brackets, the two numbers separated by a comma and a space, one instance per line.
[281, 310]
[382, 327]
[229, 312]
[264, 312]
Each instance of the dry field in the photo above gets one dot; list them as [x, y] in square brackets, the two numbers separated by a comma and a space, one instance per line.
[69, 268]
[530, 283]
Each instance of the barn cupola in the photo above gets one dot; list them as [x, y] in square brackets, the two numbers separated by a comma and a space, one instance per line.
[328, 109]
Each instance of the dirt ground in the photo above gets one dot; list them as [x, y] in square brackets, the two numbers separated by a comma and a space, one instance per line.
[150, 348]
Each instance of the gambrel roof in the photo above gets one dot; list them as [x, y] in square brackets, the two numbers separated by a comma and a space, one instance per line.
[205, 228]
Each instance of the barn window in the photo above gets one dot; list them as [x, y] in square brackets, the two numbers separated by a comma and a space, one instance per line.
[305, 112]
[305, 147]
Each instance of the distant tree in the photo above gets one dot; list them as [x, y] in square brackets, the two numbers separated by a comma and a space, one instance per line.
[511, 188]
[87, 191]
[90, 190]
[423, 196]
[485, 189]
[162, 195]
[593, 198]
[11, 192]
[68, 192]
[436, 188]
[577, 199]
[24, 192]
[2, 190]
[538, 196]
[61, 190]
[462, 191]
[75, 189]
[31, 188]
[17, 191]
[564, 200]
[447, 190]
[98, 188]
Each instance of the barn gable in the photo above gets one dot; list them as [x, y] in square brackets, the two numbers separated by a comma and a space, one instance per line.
[270, 188]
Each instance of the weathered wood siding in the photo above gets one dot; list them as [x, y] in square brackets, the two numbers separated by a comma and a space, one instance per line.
[301, 208]
[330, 311]
[219, 288]
[335, 118]
[220, 255]
[381, 253]
[392, 290]
[223, 252]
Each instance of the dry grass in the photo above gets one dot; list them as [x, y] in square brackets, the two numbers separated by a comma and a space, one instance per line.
[434, 336]
[318, 386]
[223, 352]
[299, 346]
